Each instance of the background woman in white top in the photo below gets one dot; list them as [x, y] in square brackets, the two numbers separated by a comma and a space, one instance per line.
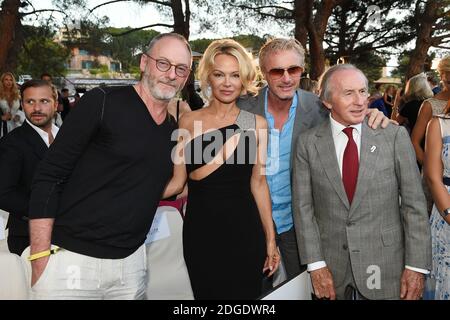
[12, 116]
[431, 107]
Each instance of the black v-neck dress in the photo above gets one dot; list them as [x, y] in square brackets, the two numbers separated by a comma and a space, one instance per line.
[223, 238]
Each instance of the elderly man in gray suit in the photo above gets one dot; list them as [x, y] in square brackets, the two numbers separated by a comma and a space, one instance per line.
[358, 240]
[289, 112]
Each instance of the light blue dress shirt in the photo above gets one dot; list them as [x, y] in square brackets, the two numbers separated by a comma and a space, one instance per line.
[279, 167]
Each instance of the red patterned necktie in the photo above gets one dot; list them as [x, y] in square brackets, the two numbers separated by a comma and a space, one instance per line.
[350, 165]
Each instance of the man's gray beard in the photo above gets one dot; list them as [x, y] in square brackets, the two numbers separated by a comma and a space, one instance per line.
[157, 93]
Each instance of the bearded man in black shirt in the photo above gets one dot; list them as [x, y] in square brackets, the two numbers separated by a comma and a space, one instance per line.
[96, 190]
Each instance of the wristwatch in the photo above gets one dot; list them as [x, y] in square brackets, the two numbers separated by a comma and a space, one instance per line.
[446, 212]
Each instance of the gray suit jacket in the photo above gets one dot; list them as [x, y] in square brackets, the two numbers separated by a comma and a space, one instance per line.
[375, 230]
[309, 113]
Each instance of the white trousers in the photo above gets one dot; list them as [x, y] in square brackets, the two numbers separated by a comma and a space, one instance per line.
[69, 275]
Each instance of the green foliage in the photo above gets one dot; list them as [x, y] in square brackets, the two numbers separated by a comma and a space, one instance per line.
[41, 54]
[351, 30]
[371, 64]
[403, 62]
[250, 41]
[100, 40]
[69, 4]
[243, 15]
[104, 68]
[135, 71]
[247, 41]
[98, 68]
[200, 45]
[127, 48]
[90, 37]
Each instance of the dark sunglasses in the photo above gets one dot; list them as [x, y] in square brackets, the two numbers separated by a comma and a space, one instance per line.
[277, 73]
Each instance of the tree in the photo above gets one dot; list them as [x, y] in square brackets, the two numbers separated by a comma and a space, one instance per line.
[343, 25]
[178, 9]
[248, 41]
[90, 36]
[360, 27]
[11, 29]
[39, 43]
[310, 18]
[404, 60]
[317, 26]
[432, 25]
[97, 40]
[127, 48]
[370, 63]
[200, 45]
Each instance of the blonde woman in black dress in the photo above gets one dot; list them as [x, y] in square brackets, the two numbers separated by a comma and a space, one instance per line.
[228, 235]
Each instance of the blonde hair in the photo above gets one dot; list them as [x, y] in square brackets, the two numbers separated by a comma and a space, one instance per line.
[418, 88]
[444, 65]
[15, 90]
[281, 44]
[247, 69]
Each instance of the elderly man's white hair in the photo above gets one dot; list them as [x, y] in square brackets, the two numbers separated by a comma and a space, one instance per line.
[324, 81]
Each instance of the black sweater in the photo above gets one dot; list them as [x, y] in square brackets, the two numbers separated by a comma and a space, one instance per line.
[104, 174]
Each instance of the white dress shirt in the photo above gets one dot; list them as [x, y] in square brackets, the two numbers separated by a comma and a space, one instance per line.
[43, 134]
[340, 140]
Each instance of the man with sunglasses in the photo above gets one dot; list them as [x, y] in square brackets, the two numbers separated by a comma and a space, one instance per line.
[95, 193]
[289, 111]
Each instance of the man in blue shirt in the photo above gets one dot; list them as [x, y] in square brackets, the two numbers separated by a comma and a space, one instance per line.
[379, 104]
[289, 112]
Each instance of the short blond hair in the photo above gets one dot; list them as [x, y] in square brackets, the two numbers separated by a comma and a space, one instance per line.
[281, 44]
[444, 65]
[247, 68]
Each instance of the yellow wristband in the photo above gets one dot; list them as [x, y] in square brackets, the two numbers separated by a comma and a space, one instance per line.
[43, 254]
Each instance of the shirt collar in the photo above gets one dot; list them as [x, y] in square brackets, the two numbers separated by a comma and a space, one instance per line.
[336, 127]
[42, 133]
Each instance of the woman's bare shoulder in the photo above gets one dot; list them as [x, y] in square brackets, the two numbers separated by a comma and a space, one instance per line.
[188, 118]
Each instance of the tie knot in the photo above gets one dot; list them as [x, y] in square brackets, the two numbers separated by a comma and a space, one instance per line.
[348, 131]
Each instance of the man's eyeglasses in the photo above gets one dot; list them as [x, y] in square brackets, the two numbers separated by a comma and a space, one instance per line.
[277, 73]
[164, 65]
